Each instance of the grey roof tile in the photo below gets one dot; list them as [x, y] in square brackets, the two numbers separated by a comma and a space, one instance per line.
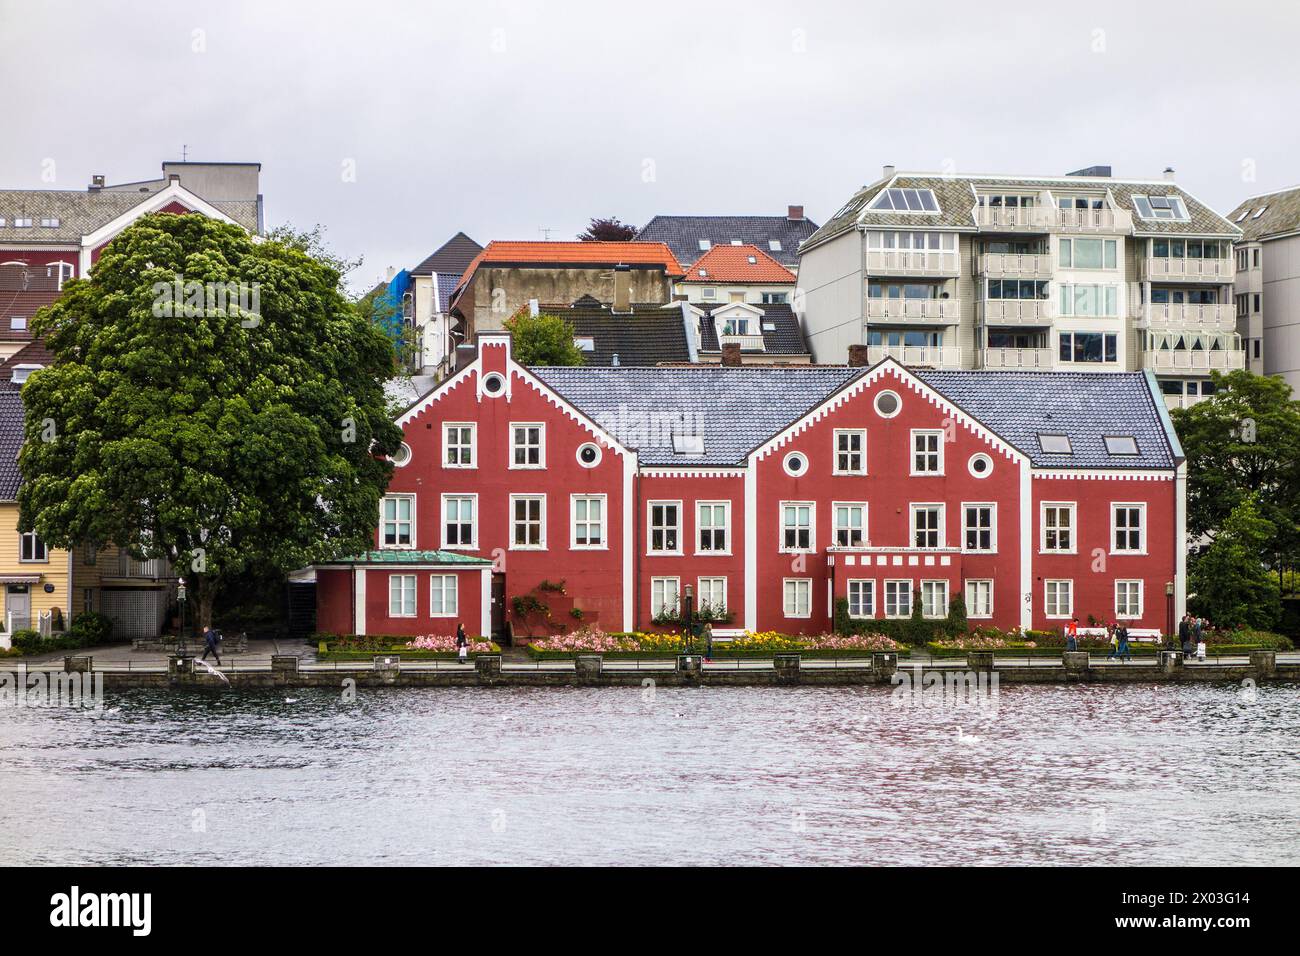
[785, 339]
[1281, 215]
[648, 335]
[11, 440]
[682, 234]
[451, 258]
[81, 212]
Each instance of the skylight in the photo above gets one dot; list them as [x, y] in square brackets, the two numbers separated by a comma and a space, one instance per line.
[752, 260]
[1244, 214]
[774, 245]
[705, 245]
[1121, 445]
[585, 342]
[688, 445]
[1160, 207]
[1260, 213]
[736, 242]
[1055, 444]
[906, 200]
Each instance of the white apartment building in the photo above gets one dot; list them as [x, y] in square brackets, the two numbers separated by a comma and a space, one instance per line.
[1083, 272]
[1267, 286]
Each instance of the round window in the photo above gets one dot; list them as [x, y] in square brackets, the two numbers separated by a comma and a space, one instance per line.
[981, 465]
[795, 464]
[589, 455]
[402, 456]
[494, 384]
[888, 404]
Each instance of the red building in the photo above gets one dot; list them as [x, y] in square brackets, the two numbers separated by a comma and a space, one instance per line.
[773, 492]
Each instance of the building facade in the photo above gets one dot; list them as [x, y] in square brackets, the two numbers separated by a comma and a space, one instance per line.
[774, 493]
[1267, 285]
[1082, 272]
[427, 305]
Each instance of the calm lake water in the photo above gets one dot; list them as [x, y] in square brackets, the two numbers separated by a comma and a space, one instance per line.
[1162, 774]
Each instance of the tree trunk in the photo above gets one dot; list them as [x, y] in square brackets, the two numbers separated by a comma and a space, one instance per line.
[205, 594]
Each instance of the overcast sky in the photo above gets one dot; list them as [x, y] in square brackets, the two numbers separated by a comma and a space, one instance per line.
[504, 118]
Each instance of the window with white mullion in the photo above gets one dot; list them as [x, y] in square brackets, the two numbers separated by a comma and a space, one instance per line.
[527, 445]
[979, 527]
[1127, 527]
[665, 527]
[862, 599]
[797, 526]
[712, 520]
[927, 452]
[850, 524]
[401, 595]
[458, 522]
[442, 595]
[458, 445]
[1058, 527]
[397, 521]
[528, 521]
[588, 513]
[850, 451]
[927, 526]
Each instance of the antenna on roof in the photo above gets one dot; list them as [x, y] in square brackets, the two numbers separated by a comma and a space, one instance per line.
[546, 232]
[185, 152]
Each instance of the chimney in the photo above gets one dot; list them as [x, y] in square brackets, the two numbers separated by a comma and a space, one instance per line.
[794, 213]
[466, 353]
[887, 172]
[731, 353]
[858, 356]
[533, 308]
[1169, 173]
[390, 273]
[96, 182]
[174, 178]
[622, 288]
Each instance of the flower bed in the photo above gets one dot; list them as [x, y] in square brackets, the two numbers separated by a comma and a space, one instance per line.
[639, 645]
[427, 647]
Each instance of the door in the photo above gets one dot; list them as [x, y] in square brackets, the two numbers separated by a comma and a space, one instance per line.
[499, 608]
[18, 607]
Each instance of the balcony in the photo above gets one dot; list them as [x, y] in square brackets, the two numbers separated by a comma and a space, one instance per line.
[1194, 360]
[1015, 265]
[1169, 315]
[933, 356]
[1018, 358]
[1156, 268]
[1182, 401]
[1105, 220]
[1016, 311]
[938, 311]
[1014, 218]
[912, 262]
[747, 343]
[128, 569]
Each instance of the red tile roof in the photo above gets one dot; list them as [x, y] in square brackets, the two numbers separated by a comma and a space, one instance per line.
[732, 264]
[595, 254]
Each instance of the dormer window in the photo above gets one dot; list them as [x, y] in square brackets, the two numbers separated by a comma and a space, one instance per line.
[738, 325]
[906, 200]
[22, 223]
[52, 223]
[1160, 207]
[691, 445]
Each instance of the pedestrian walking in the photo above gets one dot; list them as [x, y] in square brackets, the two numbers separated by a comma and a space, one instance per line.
[462, 644]
[708, 642]
[1112, 645]
[1072, 634]
[1184, 631]
[1121, 634]
[211, 643]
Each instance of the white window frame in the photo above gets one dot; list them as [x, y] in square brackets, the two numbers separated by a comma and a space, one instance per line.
[726, 527]
[1073, 508]
[812, 527]
[473, 444]
[383, 520]
[699, 592]
[473, 524]
[906, 584]
[930, 584]
[661, 598]
[972, 607]
[604, 522]
[37, 543]
[541, 545]
[861, 433]
[402, 591]
[993, 527]
[835, 521]
[800, 585]
[938, 452]
[1141, 507]
[1060, 614]
[866, 609]
[650, 528]
[916, 507]
[515, 446]
[441, 580]
[1130, 614]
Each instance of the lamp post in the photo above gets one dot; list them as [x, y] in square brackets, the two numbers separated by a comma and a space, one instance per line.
[687, 634]
[180, 603]
[1169, 600]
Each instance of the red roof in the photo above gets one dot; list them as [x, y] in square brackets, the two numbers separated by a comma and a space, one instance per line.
[738, 264]
[608, 254]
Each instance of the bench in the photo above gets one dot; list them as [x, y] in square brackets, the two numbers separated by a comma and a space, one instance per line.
[1136, 635]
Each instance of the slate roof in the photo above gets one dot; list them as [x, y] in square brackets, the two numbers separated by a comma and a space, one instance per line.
[402, 557]
[11, 441]
[452, 258]
[1086, 406]
[957, 198]
[1281, 215]
[446, 288]
[644, 407]
[785, 339]
[683, 234]
[732, 264]
[734, 408]
[648, 335]
[81, 212]
[591, 255]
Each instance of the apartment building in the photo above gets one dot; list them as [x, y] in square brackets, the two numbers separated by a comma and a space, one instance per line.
[1083, 272]
[1267, 286]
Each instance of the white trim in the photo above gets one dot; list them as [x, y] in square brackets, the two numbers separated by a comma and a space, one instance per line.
[455, 581]
[397, 521]
[541, 446]
[884, 598]
[650, 529]
[359, 601]
[979, 456]
[604, 521]
[485, 601]
[835, 449]
[966, 596]
[173, 192]
[993, 528]
[848, 587]
[947, 597]
[875, 403]
[787, 466]
[510, 521]
[1141, 598]
[663, 608]
[727, 529]
[912, 508]
[415, 594]
[812, 528]
[1069, 612]
[835, 528]
[699, 590]
[785, 610]
[1073, 507]
[577, 454]
[442, 521]
[1142, 529]
[939, 452]
[473, 445]
[630, 519]
[1180, 542]
[751, 545]
[1026, 597]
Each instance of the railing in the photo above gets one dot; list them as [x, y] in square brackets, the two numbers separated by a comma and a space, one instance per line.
[129, 567]
[910, 262]
[937, 356]
[1014, 218]
[1018, 358]
[747, 343]
[1194, 360]
[1182, 401]
[1027, 265]
[1017, 311]
[1094, 220]
[946, 311]
[1193, 316]
[1215, 270]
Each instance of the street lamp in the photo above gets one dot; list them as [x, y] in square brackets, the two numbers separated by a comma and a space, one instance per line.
[180, 603]
[686, 617]
[1169, 601]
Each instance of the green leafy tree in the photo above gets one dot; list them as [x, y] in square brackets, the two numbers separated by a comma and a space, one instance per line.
[1231, 586]
[224, 437]
[311, 242]
[543, 340]
[1244, 441]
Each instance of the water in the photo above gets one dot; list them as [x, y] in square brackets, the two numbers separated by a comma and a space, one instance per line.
[1160, 774]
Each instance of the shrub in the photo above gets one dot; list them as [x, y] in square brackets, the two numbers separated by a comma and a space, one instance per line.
[91, 628]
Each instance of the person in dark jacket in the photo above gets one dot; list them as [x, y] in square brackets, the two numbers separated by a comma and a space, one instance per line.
[462, 643]
[1124, 653]
[211, 643]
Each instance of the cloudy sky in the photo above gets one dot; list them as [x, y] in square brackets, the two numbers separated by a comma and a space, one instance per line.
[395, 124]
